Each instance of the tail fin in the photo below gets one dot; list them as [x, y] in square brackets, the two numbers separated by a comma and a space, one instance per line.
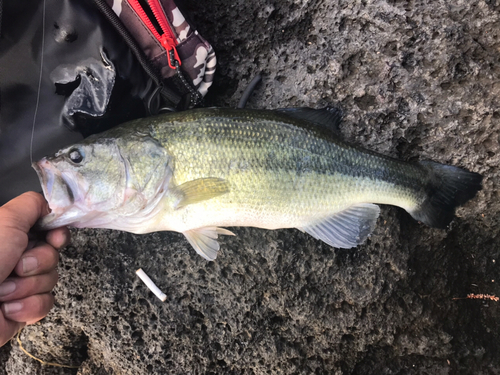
[448, 188]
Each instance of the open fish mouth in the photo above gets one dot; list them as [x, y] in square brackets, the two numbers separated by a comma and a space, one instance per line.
[56, 189]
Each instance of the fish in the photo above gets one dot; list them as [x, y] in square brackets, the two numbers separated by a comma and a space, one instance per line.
[199, 171]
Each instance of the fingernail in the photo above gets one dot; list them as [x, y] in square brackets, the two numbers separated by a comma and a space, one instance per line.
[12, 307]
[7, 288]
[30, 264]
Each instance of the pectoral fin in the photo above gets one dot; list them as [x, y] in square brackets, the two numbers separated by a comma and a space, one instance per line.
[204, 240]
[347, 228]
[201, 189]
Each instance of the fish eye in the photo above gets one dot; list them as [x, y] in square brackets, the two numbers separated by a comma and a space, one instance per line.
[75, 155]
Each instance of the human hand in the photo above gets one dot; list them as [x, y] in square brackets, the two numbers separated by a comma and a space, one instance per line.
[27, 267]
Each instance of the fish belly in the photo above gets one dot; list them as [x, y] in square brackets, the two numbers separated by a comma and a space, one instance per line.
[287, 207]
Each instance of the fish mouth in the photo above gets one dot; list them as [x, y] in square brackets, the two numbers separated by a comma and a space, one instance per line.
[56, 189]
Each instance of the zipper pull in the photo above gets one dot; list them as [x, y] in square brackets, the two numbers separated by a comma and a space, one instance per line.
[169, 45]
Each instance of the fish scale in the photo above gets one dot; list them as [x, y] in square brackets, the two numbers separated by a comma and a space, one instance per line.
[308, 179]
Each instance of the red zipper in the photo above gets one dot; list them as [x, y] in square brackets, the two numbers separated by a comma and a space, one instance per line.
[167, 39]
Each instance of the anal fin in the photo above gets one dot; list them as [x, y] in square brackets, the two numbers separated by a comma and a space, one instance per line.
[204, 240]
[347, 228]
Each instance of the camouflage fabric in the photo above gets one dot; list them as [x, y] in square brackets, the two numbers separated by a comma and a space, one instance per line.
[196, 54]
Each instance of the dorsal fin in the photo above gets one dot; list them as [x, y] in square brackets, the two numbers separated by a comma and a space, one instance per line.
[328, 118]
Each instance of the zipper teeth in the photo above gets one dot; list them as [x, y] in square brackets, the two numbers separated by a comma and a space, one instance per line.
[144, 17]
[162, 19]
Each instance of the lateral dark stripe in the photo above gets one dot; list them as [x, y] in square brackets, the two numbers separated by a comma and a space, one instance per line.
[284, 145]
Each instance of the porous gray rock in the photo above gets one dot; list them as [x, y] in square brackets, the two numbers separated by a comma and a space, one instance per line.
[416, 79]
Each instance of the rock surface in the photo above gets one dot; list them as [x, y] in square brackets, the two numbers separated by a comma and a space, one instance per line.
[416, 79]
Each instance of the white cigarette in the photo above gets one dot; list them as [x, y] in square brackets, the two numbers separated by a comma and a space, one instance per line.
[151, 285]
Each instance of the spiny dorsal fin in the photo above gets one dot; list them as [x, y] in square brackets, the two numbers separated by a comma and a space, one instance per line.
[200, 190]
[328, 118]
[348, 228]
[204, 240]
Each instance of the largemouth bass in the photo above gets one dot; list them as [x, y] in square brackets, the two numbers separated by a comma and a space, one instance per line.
[198, 171]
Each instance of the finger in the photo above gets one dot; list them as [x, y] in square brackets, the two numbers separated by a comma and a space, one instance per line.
[41, 259]
[22, 287]
[59, 237]
[8, 329]
[30, 309]
[23, 211]
[16, 218]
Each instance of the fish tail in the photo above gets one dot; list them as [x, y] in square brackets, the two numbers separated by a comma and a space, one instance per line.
[447, 188]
